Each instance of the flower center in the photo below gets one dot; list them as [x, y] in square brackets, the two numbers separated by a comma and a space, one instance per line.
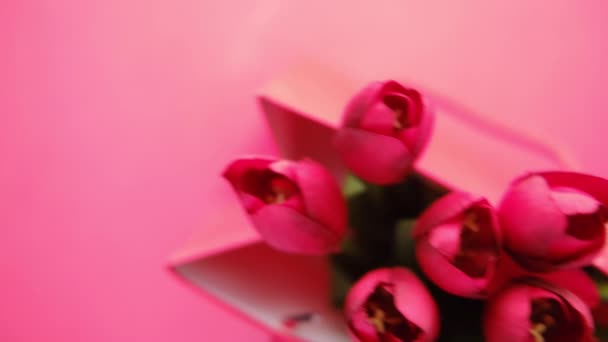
[544, 318]
[477, 248]
[269, 186]
[588, 226]
[386, 318]
[400, 106]
[400, 119]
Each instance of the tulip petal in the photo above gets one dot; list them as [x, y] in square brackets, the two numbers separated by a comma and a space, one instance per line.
[577, 282]
[409, 102]
[573, 300]
[288, 230]
[379, 118]
[438, 269]
[250, 202]
[417, 137]
[235, 174]
[356, 107]
[601, 261]
[574, 280]
[507, 270]
[574, 203]
[410, 138]
[530, 219]
[594, 186]
[415, 302]
[445, 239]
[363, 287]
[506, 316]
[571, 252]
[322, 196]
[362, 330]
[284, 167]
[236, 169]
[373, 157]
[425, 128]
[442, 210]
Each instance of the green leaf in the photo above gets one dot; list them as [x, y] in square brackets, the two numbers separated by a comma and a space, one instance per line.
[404, 243]
[352, 186]
[603, 288]
[461, 318]
[340, 284]
[601, 281]
[601, 333]
[411, 197]
[371, 227]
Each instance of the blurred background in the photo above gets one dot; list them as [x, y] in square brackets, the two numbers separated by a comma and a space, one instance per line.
[116, 117]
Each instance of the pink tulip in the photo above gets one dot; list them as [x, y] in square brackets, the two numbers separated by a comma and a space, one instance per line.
[385, 128]
[391, 305]
[296, 207]
[458, 244]
[537, 312]
[555, 220]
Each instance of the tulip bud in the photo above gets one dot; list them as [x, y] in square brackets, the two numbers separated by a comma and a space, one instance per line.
[458, 244]
[296, 207]
[385, 128]
[391, 304]
[555, 220]
[537, 312]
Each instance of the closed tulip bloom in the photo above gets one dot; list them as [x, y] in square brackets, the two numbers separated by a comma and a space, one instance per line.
[385, 128]
[555, 220]
[458, 244]
[537, 312]
[391, 305]
[296, 206]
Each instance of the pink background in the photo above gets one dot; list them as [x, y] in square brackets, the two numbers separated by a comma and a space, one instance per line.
[116, 117]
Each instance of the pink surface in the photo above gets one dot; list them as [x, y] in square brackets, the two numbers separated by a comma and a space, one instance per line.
[116, 118]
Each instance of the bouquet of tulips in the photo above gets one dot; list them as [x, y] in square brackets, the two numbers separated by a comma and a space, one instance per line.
[414, 261]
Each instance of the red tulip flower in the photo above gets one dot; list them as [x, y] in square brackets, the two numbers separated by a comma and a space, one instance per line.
[391, 305]
[458, 244]
[537, 312]
[555, 220]
[384, 129]
[296, 207]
